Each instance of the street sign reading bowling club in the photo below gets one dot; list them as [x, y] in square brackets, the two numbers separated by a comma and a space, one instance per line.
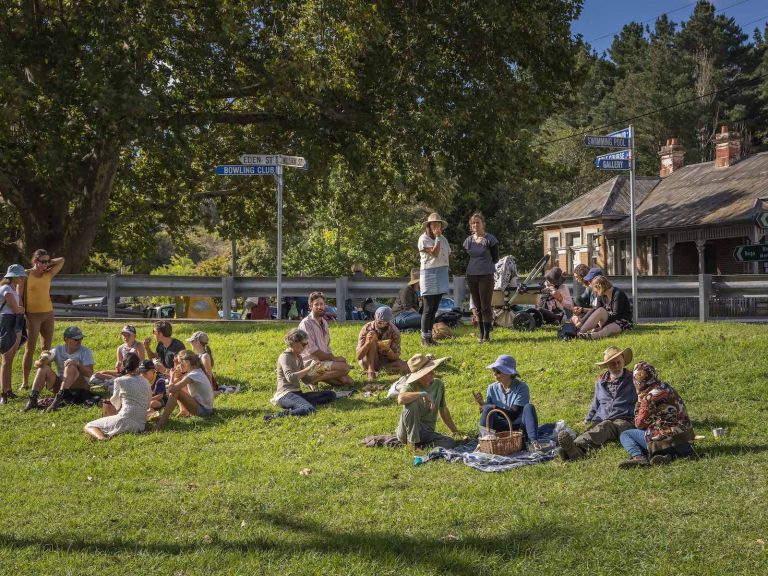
[245, 170]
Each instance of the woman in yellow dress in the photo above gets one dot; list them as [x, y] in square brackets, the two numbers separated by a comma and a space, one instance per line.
[39, 308]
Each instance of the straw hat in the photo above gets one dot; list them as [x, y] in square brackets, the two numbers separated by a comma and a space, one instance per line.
[435, 217]
[415, 276]
[612, 353]
[421, 364]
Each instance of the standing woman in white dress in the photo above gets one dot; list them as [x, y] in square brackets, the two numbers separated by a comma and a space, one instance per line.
[433, 281]
[129, 403]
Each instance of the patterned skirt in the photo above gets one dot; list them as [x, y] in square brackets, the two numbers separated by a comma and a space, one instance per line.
[433, 281]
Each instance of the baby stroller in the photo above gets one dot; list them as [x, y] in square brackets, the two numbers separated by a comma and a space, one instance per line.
[513, 304]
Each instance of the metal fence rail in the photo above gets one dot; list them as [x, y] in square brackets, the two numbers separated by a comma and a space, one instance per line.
[704, 296]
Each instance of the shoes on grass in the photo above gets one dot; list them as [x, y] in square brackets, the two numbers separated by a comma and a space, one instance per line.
[636, 462]
[565, 440]
[661, 459]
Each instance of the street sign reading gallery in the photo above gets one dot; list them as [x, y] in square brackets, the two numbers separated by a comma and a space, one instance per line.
[595, 141]
[607, 164]
[761, 219]
[242, 170]
[751, 253]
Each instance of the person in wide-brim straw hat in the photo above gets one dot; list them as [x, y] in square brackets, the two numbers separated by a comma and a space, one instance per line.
[422, 399]
[612, 410]
[434, 252]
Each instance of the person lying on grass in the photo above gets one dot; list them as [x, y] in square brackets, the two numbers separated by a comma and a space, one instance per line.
[291, 372]
[422, 399]
[512, 396]
[189, 387]
[126, 410]
[378, 345]
[664, 431]
[333, 369]
[612, 410]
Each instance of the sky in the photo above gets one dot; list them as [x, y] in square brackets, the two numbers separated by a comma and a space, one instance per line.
[605, 18]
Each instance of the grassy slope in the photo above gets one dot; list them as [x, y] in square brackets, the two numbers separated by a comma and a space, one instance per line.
[224, 496]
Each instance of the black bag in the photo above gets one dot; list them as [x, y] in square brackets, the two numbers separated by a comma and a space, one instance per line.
[452, 318]
[567, 331]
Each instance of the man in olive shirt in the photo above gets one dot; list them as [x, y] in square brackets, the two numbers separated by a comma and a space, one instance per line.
[422, 399]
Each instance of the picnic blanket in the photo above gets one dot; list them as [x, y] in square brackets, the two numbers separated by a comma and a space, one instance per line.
[494, 463]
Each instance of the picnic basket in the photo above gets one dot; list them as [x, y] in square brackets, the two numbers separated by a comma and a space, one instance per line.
[500, 443]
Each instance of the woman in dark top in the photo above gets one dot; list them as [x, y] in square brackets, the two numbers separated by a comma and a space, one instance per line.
[483, 250]
[613, 314]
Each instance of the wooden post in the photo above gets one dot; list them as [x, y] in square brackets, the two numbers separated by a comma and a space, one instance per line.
[705, 290]
[342, 291]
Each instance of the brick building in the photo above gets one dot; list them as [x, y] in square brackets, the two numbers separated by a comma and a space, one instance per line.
[689, 219]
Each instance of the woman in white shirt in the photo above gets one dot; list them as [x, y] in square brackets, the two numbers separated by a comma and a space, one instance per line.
[434, 251]
[189, 388]
[12, 330]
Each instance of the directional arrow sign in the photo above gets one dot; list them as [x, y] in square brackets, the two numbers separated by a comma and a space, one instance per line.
[620, 133]
[245, 170]
[620, 155]
[596, 141]
[761, 219]
[297, 161]
[606, 164]
[260, 159]
[751, 253]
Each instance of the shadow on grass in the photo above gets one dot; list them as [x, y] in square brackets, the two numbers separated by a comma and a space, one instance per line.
[220, 416]
[447, 554]
[725, 449]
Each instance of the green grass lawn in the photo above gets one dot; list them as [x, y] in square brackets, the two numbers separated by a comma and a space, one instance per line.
[224, 495]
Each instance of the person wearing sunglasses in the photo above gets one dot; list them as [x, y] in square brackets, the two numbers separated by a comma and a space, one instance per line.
[291, 373]
[39, 308]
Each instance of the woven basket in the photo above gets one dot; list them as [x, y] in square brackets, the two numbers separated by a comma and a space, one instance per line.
[502, 443]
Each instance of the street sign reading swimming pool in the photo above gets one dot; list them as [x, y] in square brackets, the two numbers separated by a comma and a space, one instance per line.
[595, 141]
[243, 170]
[751, 253]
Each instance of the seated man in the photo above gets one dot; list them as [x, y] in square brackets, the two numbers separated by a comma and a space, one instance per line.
[612, 410]
[422, 398]
[74, 366]
[378, 345]
[167, 347]
[406, 307]
[331, 369]
[586, 302]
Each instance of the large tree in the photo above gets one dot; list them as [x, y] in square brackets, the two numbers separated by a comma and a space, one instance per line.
[421, 94]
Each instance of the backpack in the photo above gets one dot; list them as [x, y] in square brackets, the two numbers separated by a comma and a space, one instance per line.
[567, 331]
[449, 317]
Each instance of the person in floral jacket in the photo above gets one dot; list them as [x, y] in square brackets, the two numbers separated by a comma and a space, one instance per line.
[664, 430]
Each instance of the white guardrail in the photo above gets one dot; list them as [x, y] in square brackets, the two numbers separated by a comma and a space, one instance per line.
[701, 296]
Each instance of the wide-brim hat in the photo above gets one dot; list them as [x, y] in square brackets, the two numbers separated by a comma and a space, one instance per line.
[505, 364]
[435, 217]
[422, 364]
[415, 276]
[612, 353]
[16, 271]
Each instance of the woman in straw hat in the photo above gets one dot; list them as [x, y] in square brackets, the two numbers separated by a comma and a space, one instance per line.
[422, 399]
[12, 324]
[483, 251]
[433, 282]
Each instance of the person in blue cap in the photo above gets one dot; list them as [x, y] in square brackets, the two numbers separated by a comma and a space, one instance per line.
[512, 396]
[13, 331]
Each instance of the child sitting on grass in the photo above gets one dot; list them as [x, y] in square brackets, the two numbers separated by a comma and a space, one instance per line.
[157, 384]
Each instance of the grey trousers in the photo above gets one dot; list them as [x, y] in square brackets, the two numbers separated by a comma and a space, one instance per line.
[410, 429]
[602, 433]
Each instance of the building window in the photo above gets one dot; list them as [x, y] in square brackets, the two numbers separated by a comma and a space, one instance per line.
[623, 258]
[554, 246]
[572, 241]
[611, 256]
[593, 245]
[654, 263]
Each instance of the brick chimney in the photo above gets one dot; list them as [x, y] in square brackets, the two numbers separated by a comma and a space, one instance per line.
[672, 157]
[727, 148]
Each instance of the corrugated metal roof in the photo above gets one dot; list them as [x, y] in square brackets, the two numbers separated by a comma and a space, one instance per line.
[608, 200]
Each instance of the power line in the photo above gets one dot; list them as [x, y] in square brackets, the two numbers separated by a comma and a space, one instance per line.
[652, 112]
[677, 10]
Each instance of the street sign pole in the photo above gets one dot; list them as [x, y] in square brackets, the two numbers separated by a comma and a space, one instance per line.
[279, 178]
[633, 231]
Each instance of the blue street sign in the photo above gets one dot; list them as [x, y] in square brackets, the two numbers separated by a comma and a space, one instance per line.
[608, 164]
[596, 141]
[241, 170]
[625, 133]
[619, 155]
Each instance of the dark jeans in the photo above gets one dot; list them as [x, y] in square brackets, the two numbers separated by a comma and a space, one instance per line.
[634, 443]
[529, 421]
[602, 433]
[481, 289]
[431, 304]
[407, 320]
[303, 403]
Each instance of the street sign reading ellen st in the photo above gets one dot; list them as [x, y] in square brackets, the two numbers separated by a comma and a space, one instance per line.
[751, 253]
[761, 219]
[596, 141]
